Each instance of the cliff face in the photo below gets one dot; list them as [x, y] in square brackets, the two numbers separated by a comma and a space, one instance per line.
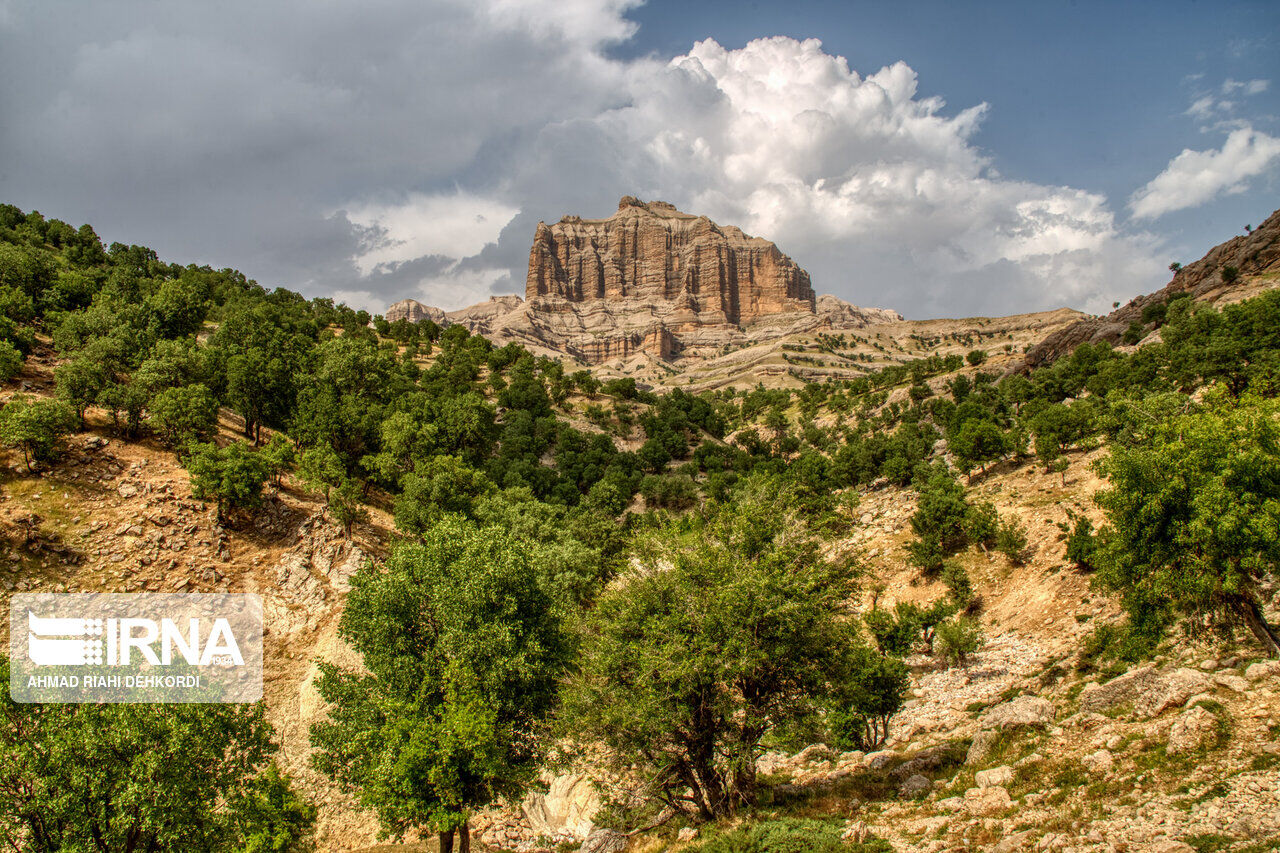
[653, 282]
[655, 256]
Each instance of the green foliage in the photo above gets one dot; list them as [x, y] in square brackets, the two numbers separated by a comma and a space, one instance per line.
[1011, 540]
[729, 629]
[10, 361]
[957, 638]
[939, 521]
[958, 584]
[461, 652]
[184, 414]
[669, 491]
[1230, 274]
[35, 427]
[976, 357]
[1194, 515]
[866, 699]
[978, 442]
[280, 456]
[1082, 544]
[445, 484]
[232, 476]
[1129, 641]
[144, 777]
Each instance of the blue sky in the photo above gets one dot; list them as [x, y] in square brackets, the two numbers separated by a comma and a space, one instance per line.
[1086, 94]
[942, 159]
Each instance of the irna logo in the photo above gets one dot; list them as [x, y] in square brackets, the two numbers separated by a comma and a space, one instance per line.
[102, 647]
[71, 641]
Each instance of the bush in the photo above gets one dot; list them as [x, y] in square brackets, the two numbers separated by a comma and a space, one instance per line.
[982, 523]
[35, 427]
[1011, 540]
[957, 639]
[10, 361]
[1082, 544]
[957, 581]
[1230, 274]
[669, 491]
[183, 415]
[976, 357]
[233, 476]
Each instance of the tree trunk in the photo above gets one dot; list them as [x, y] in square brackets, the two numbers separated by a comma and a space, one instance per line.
[464, 838]
[1248, 609]
[446, 842]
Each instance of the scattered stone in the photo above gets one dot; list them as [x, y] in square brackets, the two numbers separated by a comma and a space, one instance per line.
[604, 841]
[127, 490]
[996, 776]
[1147, 690]
[1025, 711]
[1098, 762]
[914, 786]
[814, 753]
[1017, 841]
[983, 743]
[880, 760]
[686, 833]
[855, 832]
[1262, 669]
[1190, 730]
[986, 801]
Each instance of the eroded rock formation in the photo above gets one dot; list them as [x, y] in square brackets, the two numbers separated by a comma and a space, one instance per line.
[652, 280]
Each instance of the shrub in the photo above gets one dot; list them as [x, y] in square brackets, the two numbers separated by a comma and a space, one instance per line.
[183, 415]
[976, 357]
[35, 427]
[233, 476]
[1082, 544]
[957, 639]
[10, 361]
[1011, 540]
[957, 581]
[1230, 274]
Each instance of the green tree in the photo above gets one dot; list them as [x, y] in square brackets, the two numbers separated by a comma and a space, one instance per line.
[977, 443]
[233, 476]
[462, 652]
[723, 633]
[143, 777]
[183, 415]
[1193, 515]
[320, 469]
[35, 427]
[10, 361]
[79, 382]
[280, 456]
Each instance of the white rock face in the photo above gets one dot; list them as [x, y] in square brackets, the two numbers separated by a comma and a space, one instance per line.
[986, 801]
[570, 803]
[1031, 711]
[996, 776]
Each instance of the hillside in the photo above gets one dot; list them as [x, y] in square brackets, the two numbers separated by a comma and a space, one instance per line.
[910, 461]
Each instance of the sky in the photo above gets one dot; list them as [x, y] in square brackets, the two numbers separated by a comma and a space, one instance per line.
[938, 158]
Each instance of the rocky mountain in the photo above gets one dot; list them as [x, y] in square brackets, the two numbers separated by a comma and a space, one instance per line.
[1229, 272]
[652, 280]
[413, 311]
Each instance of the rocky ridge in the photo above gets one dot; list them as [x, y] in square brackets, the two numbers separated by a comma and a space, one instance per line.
[1254, 256]
[651, 280]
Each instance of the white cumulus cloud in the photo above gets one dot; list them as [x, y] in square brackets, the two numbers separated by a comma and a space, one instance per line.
[1195, 177]
[879, 192]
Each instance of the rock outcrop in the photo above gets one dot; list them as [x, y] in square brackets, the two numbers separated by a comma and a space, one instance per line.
[651, 280]
[413, 311]
[1207, 280]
